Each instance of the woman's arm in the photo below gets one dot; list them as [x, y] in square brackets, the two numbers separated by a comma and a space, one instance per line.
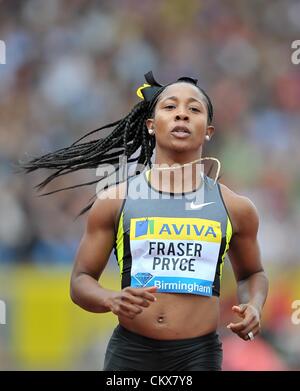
[91, 258]
[244, 254]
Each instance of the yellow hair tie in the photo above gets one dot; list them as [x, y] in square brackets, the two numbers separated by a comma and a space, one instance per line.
[138, 91]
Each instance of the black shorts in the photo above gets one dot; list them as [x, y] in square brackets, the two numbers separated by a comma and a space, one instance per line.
[128, 351]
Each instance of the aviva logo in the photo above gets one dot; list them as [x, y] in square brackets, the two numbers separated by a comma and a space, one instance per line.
[175, 228]
[144, 227]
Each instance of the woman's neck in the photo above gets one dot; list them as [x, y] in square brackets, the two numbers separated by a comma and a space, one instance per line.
[178, 158]
[176, 176]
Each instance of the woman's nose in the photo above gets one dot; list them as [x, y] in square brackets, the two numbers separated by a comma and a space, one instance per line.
[181, 115]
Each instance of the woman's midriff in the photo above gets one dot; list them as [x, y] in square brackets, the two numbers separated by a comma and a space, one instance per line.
[176, 316]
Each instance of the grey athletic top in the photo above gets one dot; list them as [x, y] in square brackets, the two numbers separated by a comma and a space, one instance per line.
[176, 242]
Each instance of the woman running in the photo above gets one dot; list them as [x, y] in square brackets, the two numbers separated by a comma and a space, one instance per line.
[170, 237]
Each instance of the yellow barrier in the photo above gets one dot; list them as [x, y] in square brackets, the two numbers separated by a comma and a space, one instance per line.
[46, 330]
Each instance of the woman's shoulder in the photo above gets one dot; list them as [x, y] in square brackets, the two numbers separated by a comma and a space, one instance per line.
[108, 204]
[242, 211]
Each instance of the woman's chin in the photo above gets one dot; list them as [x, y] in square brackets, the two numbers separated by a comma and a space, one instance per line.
[181, 145]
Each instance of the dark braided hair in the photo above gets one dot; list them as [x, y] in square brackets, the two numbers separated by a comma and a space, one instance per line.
[130, 134]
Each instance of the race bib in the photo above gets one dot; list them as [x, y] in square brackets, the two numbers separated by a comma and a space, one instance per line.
[177, 255]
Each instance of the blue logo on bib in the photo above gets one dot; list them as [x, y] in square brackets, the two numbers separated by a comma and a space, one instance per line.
[143, 227]
[143, 278]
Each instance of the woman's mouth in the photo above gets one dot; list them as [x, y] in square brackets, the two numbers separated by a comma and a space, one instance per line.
[181, 132]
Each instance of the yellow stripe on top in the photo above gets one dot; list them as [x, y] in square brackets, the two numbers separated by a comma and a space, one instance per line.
[228, 237]
[175, 228]
[120, 244]
[147, 173]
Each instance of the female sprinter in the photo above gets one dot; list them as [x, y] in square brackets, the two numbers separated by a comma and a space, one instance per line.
[170, 245]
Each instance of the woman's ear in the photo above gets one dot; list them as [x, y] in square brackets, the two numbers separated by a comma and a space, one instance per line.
[149, 123]
[210, 130]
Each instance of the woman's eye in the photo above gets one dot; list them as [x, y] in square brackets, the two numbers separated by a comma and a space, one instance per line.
[195, 109]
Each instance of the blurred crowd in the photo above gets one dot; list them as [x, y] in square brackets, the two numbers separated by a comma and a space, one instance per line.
[74, 65]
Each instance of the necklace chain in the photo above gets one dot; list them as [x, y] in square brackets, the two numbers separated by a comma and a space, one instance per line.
[182, 165]
[194, 161]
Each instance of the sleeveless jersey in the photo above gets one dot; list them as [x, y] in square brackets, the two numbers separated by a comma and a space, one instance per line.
[172, 240]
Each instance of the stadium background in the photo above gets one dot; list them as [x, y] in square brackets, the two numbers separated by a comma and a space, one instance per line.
[73, 65]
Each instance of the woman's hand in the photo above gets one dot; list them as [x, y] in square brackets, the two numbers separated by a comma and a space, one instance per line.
[130, 301]
[250, 322]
